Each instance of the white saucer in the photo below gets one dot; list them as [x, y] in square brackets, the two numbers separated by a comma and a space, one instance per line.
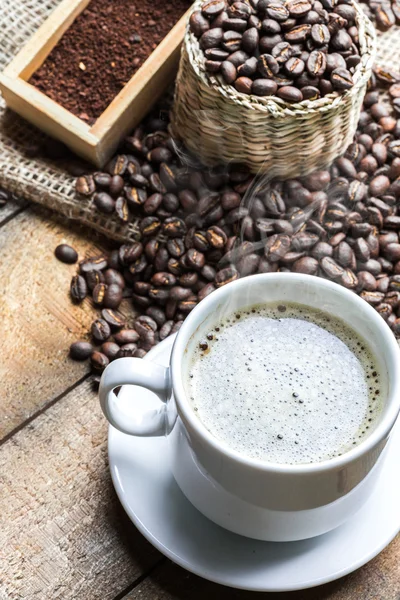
[148, 492]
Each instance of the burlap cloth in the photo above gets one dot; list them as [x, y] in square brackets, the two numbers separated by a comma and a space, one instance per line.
[47, 182]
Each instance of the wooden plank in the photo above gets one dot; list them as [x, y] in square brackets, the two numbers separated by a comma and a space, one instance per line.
[48, 115]
[63, 533]
[378, 580]
[11, 209]
[38, 322]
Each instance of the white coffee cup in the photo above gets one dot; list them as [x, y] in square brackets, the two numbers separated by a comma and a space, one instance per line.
[255, 498]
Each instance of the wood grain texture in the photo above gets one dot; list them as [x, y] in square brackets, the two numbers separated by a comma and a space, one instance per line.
[10, 209]
[63, 533]
[38, 322]
[378, 580]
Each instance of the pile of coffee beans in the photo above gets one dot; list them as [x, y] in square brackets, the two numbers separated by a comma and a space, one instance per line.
[385, 13]
[202, 228]
[294, 49]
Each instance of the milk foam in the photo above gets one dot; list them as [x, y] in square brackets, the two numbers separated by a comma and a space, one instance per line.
[285, 384]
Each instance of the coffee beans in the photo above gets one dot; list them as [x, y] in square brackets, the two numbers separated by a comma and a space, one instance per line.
[80, 350]
[221, 224]
[78, 288]
[100, 330]
[66, 254]
[265, 47]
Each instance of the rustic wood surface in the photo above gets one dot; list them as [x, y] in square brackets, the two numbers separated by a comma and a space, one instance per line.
[38, 320]
[63, 533]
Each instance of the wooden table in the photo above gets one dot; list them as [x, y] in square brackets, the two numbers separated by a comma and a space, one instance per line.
[63, 533]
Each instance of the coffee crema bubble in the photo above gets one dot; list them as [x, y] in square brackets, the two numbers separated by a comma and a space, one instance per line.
[286, 384]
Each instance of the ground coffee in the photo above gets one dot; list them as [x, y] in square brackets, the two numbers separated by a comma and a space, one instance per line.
[101, 51]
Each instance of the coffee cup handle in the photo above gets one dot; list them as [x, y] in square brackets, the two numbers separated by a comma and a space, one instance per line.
[135, 371]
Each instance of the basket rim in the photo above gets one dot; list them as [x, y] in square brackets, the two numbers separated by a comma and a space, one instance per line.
[272, 104]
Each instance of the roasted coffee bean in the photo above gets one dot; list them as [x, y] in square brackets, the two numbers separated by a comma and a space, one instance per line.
[152, 204]
[392, 252]
[298, 8]
[372, 266]
[299, 33]
[99, 293]
[216, 237]
[112, 296]
[322, 249]
[304, 241]
[114, 320]
[116, 185]
[112, 276]
[294, 66]
[80, 350]
[104, 203]
[344, 255]
[159, 295]
[316, 63]
[320, 34]
[384, 16]
[144, 325]
[268, 42]
[248, 68]
[163, 278]
[290, 93]
[198, 23]
[225, 276]
[244, 85]
[135, 196]
[126, 336]
[194, 259]
[282, 52]
[361, 229]
[129, 254]
[176, 247]
[366, 281]
[228, 72]
[264, 87]
[250, 40]
[379, 185]
[341, 79]
[150, 226]
[276, 247]
[361, 250]
[78, 288]
[211, 38]
[138, 266]
[66, 254]
[85, 185]
[99, 361]
[374, 298]
[110, 350]
[331, 268]
[93, 278]
[166, 329]
[306, 265]
[127, 351]
[122, 209]
[100, 330]
[383, 284]
[199, 241]
[231, 41]
[174, 227]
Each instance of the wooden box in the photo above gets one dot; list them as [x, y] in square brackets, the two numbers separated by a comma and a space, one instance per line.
[98, 142]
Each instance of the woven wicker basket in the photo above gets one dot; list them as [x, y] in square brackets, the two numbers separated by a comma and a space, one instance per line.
[287, 140]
